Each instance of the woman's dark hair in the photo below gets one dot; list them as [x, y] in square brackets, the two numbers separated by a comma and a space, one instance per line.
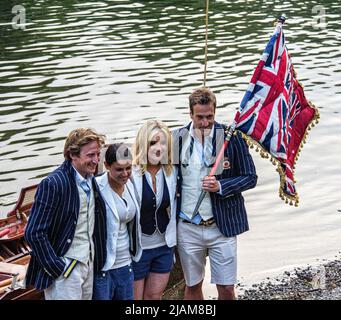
[117, 152]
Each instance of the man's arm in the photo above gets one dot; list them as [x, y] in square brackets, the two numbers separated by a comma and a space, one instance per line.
[43, 210]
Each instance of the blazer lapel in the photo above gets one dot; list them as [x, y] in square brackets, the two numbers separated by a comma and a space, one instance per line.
[104, 187]
[170, 184]
[217, 140]
[138, 184]
[70, 175]
[132, 190]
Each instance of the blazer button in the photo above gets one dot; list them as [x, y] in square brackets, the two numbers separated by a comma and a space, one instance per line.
[68, 240]
[178, 195]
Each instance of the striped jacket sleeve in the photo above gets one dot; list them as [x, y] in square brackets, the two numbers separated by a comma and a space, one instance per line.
[41, 218]
[245, 172]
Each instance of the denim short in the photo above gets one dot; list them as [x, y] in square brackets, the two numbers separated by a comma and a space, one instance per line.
[114, 284]
[157, 260]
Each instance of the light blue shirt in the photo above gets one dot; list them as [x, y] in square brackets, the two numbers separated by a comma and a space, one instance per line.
[80, 178]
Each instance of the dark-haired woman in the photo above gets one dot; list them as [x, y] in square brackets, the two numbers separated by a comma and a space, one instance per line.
[115, 281]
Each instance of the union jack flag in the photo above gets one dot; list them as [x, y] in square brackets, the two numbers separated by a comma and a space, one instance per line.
[274, 113]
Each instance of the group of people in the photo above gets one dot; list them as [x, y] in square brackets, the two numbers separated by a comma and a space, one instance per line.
[112, 236]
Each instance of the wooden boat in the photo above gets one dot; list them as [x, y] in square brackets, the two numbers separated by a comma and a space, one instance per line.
[14, 250]
[15, 253]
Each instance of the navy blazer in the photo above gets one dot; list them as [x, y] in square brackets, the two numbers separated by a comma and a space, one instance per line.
[228, 209]
[52, 223]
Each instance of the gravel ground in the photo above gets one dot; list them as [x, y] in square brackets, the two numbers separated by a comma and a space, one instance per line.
[320, 282]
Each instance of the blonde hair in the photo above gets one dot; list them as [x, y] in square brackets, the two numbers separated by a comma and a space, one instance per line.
[80, 137]
[142, 144]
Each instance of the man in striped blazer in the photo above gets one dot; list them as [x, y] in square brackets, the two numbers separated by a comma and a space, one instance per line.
[66, 227]
[222, 215]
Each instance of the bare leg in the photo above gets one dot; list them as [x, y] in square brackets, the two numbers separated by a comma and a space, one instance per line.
[138, 289]
[194, 292]
[226, 292]
[155, 285]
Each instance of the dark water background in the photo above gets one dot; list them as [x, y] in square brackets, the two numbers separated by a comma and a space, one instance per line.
[112, 65]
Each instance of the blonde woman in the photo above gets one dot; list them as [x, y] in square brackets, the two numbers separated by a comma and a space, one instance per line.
[155, 181]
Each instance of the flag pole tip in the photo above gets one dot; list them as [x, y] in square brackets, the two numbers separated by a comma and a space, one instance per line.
[282, 18]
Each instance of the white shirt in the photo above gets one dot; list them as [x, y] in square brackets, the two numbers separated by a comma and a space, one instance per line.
[126, 211]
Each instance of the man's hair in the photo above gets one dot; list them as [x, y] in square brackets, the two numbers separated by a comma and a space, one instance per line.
[117, 152]
[202, 95]
[78, 138]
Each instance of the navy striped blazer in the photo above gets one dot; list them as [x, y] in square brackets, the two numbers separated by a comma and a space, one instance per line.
[52, 223]
[228, 208]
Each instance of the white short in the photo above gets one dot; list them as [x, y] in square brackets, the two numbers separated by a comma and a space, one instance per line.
[78, 286]
[195, 242]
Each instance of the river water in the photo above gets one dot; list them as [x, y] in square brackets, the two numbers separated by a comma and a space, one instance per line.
[112, 65]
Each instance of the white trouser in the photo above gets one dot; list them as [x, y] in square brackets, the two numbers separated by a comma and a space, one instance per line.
[77, 286]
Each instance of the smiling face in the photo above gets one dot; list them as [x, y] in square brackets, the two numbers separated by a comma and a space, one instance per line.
[87, 160]
[157, 148]
[119, 172]
[203, 117]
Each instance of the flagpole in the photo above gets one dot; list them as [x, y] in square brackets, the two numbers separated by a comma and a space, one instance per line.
[220, 155]
[282, 19]
[229, 134]
[206, 46]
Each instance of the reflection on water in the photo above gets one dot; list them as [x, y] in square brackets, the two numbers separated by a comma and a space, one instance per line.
[111, 65]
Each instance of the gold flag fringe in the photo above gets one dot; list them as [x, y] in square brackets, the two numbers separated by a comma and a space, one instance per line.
[292, 200]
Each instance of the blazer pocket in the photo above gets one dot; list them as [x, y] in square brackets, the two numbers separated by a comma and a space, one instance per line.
[230, 201]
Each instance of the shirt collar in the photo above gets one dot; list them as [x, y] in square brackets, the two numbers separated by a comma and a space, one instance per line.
[158, 173]
[80, 178]
[191, 132]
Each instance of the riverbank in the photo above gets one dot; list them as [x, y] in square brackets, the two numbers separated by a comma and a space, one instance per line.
[317, 282]
[313, 282]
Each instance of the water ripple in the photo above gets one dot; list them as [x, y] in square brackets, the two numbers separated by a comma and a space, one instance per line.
[111, 65]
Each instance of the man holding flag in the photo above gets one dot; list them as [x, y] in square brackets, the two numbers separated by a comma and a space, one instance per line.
[222, 214]
[275, 116]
